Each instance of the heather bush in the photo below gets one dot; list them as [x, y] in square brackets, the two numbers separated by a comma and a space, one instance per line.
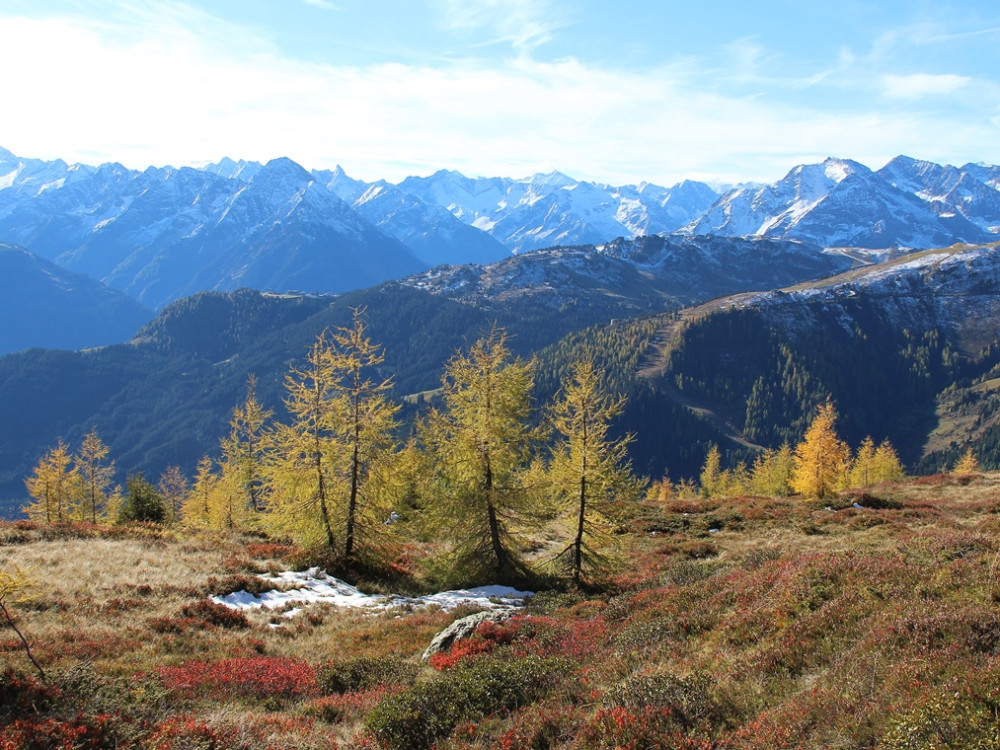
[365, 673]
[956, 720]
[211, 613]
[232, 583]
[21, 694]
[252, 677]
[429, 711]
[687, 698]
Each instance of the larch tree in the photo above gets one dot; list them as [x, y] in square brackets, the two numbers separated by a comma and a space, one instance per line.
[872, 464]
[822, 458]
[173, 489]
[590, 469]
[303, 469]
[52, 486]
[482, 441]
[967, 464]
[711, 479]
[887, 466]
[96, 476]
[367, 421]
[201, 507]
[14, 586]
[243, 450]
[862, 473]
[771, 473]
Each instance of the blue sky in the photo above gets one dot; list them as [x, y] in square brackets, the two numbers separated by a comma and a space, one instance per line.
[613, 92]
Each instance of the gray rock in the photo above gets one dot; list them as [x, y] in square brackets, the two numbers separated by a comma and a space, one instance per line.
[463, 628]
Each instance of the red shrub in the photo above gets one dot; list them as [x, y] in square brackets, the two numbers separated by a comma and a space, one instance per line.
[488, 636]
[252, 677]
[336, 709]
[21, 694]
[213, 613]
[182, 732]
[270, 551]
[55, 734]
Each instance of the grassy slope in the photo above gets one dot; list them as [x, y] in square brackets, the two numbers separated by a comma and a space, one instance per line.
[737, 623]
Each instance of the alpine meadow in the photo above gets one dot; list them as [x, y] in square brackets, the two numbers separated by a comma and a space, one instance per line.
[355, 441]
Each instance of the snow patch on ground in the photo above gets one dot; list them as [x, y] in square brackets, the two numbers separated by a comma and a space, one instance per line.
[315, 586]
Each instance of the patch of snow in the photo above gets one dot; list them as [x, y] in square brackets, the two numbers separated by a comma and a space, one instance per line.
[315, 586]
[56, 184]
[7, 180]
[836, 170]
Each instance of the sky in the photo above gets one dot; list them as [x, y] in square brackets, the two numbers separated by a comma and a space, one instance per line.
[620, 93]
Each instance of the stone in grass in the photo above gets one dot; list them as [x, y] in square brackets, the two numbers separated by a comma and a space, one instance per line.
[463, 628]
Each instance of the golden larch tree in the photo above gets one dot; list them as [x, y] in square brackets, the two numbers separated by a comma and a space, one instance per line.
[822, 458]
[590, 469]
[96, 475]
[482, 443]
[202, 503]
[367, 422]
[52, 486]
[243, 450]
[967, 464]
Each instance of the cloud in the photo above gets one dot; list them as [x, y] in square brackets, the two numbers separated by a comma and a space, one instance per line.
[184, 88]
[324, 4]
[920, 85]
[524, 24]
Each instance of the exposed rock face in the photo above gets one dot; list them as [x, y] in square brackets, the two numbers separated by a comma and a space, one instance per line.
[463, 628]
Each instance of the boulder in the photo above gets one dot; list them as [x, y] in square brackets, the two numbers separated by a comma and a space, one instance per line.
[463, 628]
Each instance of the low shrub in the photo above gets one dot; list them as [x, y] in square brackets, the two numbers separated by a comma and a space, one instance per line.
[214, 614]
[687, 698]
[20, 694]
[648, 728]
[251, 677]
[37, 733]
[346, 707]
[428, 712]
[186, 733]
[487, 636]
[232, 583]
[354, 675]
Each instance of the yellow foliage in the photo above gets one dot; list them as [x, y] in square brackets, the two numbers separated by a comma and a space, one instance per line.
[967, 464]
[822, 458]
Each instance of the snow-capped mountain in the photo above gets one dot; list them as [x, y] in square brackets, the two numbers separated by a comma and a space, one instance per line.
[971, 192]
[837, 203]
[547, 210]
[163, 233]
[431, 232]
[640, 275]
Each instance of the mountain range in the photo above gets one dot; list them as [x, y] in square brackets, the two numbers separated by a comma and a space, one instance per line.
[163, 233]
[903, 347]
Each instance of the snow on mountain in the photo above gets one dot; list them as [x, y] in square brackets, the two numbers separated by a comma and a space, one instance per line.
[971, 192]
[163, 233]
[234, 170]
[645, 273]
[956, 290]
[431, 232]
[552, 209]
[836, 203]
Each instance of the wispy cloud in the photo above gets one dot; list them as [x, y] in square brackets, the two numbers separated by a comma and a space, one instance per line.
[324, 4]
[920, 85]
[524, 24]
[183, 88]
